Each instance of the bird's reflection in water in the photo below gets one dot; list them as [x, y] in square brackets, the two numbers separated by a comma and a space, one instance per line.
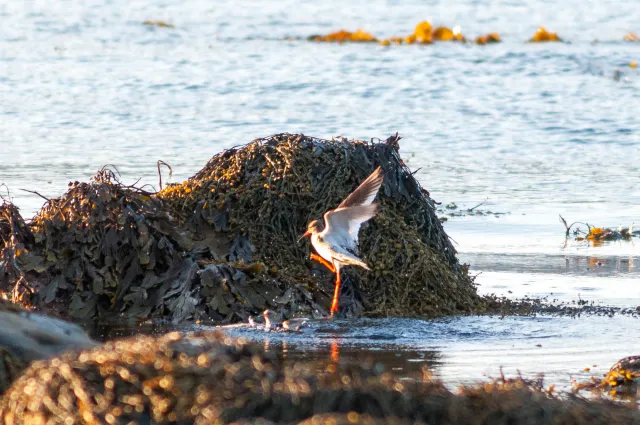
[335, 352]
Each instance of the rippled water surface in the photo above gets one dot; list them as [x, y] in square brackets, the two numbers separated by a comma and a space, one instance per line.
[536, 130]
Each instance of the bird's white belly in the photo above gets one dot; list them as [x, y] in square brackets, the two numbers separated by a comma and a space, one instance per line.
[323, 248]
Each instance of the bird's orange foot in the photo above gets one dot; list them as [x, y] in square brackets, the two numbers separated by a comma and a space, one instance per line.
[322, 261]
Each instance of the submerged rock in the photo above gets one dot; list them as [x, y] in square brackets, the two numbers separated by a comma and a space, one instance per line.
[207, 378]
[26, 337]
[222, 246]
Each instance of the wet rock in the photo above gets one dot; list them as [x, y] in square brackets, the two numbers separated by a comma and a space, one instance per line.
[26, 337]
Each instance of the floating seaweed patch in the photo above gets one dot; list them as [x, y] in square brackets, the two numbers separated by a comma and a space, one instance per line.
[424, 33]
[448, 34]
[490, 38]
[597, 235]
[631, 37]
[542, 35]
[159, 24]
[452, 210]
[343, 36]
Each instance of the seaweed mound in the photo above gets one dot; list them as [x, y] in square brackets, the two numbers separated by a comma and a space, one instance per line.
[15, 259]
[110, 247]
[207, 378]
[268, 190]
[223, 245]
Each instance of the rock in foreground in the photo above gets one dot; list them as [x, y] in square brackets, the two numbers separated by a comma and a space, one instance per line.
[26, 337]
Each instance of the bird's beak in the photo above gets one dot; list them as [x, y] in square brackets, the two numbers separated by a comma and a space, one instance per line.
[307, 233]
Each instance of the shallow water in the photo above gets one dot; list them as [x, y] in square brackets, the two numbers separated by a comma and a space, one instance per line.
[537, 130]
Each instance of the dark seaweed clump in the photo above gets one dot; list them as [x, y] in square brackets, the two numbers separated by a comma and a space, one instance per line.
[270, 189]
[223, 245]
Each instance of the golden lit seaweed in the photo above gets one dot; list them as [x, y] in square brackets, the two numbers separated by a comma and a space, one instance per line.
[394, 40]
[208, 378]
[631, 37]
[597, 235]
[492, 37]
[271, 188]
[623, 377]
[447, 34]
[542, 35]
[621, 381]
[422, 33]
[159, 24]
[343, 36]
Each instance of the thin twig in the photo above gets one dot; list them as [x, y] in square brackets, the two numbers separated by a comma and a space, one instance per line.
[161, 162]
[481, 203]
[36, 193]
[111, 165]
[8, 193]
[146, 192]
[133, 186]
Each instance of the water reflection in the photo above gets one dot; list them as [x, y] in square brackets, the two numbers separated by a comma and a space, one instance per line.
[458, 350]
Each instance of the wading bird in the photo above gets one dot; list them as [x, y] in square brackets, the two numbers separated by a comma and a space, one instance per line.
[337, 243]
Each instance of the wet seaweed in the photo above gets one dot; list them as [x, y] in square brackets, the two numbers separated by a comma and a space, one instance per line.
[271, 188]
[222, 245]
[452, 210]
[597, 235]
[206, 378]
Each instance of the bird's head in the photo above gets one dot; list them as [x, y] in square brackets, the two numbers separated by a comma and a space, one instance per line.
[312, 227]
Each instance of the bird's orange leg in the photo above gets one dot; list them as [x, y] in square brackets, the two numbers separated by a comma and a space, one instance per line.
[322, 261]
[336, 294]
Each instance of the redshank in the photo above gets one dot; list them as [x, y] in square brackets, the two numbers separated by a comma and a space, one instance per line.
[337, 242]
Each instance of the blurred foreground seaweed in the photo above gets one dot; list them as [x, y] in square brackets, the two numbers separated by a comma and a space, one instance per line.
[209, 378]
[222, 246]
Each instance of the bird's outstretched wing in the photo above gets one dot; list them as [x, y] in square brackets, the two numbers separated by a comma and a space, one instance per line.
[366, 192]
[343, 223]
